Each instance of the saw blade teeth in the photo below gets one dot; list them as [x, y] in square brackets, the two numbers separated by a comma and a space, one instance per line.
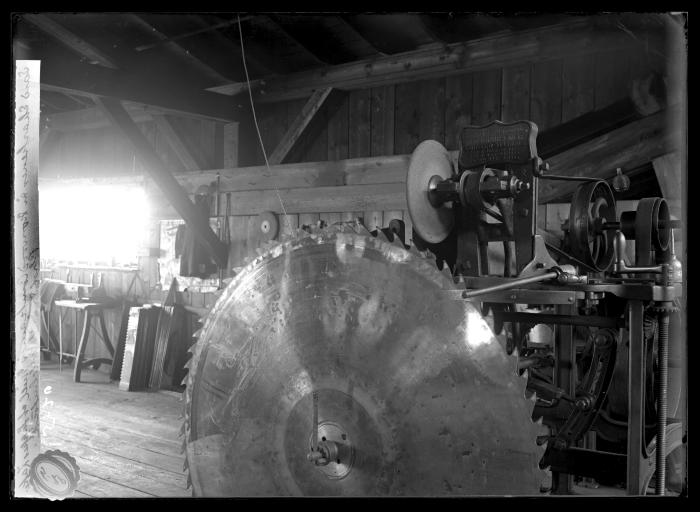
[538, 421]
[533, 397]
[398, 243]
[381, 236]
[525, 375]
[361, 230]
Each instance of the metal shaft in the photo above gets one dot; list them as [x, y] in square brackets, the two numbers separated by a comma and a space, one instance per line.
[662, 404]
[509, 285]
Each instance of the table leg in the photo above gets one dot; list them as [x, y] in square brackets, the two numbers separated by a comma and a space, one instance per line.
[105, 336]
[75, 331]
[83, 344]
[60, 341]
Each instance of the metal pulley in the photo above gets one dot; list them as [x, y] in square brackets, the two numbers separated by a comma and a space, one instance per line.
[430, 164]
[268, 226]
[336, 365]
[592, 208]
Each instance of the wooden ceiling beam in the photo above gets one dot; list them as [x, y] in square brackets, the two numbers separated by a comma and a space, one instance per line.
[205, 29]
[553, 42]
[258, 63]
[93, 118]
[179, 51]
[274, 25]
[71, 40]
[168, 97]
[347, 25]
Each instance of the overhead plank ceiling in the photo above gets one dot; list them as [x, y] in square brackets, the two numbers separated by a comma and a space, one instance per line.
[165, 59]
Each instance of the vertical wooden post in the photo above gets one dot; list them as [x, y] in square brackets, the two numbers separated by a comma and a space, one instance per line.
[26, 273]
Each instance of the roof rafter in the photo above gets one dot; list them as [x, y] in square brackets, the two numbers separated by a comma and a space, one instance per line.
[180, 51]
[72, 41]
[96, 81]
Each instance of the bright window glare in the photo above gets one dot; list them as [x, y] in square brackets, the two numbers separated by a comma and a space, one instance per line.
[92, 224]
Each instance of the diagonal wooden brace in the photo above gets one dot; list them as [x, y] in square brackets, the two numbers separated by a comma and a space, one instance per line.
[165, 180]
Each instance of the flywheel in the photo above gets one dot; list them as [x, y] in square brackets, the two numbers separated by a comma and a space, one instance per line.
[336, 364]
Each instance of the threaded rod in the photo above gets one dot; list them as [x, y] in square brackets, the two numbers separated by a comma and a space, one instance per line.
[662, 404]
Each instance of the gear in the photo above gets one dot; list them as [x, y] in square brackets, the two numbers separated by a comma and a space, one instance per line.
[413, 393]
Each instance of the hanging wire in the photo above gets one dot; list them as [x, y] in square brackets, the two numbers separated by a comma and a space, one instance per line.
[255, 120]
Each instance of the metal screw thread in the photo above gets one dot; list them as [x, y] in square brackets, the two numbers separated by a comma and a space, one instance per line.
[662, 404]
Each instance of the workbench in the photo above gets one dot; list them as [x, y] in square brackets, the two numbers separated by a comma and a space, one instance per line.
[90, 310]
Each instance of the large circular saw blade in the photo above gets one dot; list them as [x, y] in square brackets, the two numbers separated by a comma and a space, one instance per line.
[411, 383]
[430, 158]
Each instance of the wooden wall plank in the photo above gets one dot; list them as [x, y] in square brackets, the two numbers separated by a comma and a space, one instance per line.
[432, 110]
[290, 109]
[350, 216]
[578, 86]
[297, 133]
[382, 120]
[330, 218]
[359, 123]
[252, 236]
[338, 132]
[230, 145]
[546, 93]
[458, 107]
[288, 224]
[360, 136]
[382, 127]
[612, 77]
[486, 104]
[310, 200]
[373, 219]
[309, 219]
[407, 118]
[238, 229]
[515, 98]
[218, 160]
[273, 123]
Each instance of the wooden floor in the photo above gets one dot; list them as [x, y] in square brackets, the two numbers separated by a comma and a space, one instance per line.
[125, 443]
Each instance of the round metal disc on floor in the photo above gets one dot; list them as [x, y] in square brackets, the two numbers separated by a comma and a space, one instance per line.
[268, 225]
[430, 158]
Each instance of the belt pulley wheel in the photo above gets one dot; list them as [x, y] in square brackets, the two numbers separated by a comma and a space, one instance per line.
[411, 386]
[592, 206]
[430, 163]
